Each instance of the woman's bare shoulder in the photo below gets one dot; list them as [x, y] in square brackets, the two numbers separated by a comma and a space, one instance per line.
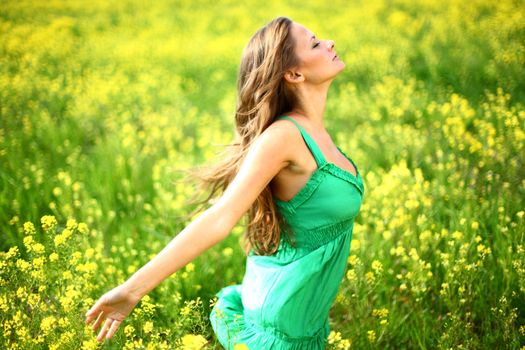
[283, 136]
[283, 127]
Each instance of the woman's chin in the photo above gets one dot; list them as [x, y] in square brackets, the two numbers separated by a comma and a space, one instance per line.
[342, 67]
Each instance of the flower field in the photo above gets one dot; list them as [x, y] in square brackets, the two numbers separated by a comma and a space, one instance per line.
[105, 104]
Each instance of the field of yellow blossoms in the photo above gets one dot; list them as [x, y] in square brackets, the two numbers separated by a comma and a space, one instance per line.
[104, 104]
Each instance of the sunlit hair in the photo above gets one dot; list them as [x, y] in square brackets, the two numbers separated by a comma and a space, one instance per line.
[262, 96]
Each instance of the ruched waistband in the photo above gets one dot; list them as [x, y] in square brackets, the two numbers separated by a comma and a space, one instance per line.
[319, 236]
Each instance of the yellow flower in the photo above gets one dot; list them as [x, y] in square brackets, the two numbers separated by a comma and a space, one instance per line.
[29, 228]
[380, 312]
[227, 251]
[425, 235]
[83, 228]
[371, 336]
[27, 242]
[53, 257]
[4, 306]
[457, 235]
[66, 233]
[129, 330]
[14, 220]
[66, 337]
[148, 327]
[190, 267]
[38, 275]
[193, 342]
[87, 267]
[370, 277]
[91, 344]
[186, 310]
[33, 299]
[353, 259]
[377, 266]
[38, 262]
[59, 239]
[241, 347]
[22, 265]
[344, 344]
[47, 324]
[38, 248]
[57, 191]
[75, 257]
[48, 222]
[71, 224]
[413, 254]
[69, 298]
[350, 275]
[334, 337]
[21, 292]
[89, 252]
[444, 288]
[21, 331]
[13, 252]
[399, 251]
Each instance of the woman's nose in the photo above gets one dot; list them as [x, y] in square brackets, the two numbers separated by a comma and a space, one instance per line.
[331, 44]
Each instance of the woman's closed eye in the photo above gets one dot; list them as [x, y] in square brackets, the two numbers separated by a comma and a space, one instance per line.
[316, 44]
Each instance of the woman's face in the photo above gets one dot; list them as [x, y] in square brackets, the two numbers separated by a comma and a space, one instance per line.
[318, 60]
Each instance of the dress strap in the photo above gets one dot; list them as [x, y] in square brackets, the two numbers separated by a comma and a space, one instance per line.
[312, 146]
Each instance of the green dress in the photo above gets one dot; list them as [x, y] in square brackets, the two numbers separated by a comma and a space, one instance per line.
[284, 299]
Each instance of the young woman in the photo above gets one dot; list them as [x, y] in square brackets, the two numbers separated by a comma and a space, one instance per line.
[299, 190]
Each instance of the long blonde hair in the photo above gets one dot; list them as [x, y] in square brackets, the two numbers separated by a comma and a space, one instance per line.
[262, 96]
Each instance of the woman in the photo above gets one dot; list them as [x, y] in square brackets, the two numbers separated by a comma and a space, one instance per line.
[292, 181]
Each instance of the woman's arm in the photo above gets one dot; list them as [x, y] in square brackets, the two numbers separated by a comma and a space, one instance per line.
[268, 155]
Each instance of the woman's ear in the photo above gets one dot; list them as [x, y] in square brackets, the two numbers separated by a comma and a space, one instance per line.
[293, 76]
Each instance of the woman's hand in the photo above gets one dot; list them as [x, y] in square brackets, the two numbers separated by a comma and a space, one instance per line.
[114, 306]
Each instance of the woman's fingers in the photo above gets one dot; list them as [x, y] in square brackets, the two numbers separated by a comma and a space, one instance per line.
[113, 329]
[99, 320]
[108, 329]
[90, 316]
[104, 329]
[116, 303]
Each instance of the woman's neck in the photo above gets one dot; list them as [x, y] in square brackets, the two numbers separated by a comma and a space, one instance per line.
[312, 102]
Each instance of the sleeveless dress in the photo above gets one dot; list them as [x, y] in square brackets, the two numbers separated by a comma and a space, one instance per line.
[284, 299]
